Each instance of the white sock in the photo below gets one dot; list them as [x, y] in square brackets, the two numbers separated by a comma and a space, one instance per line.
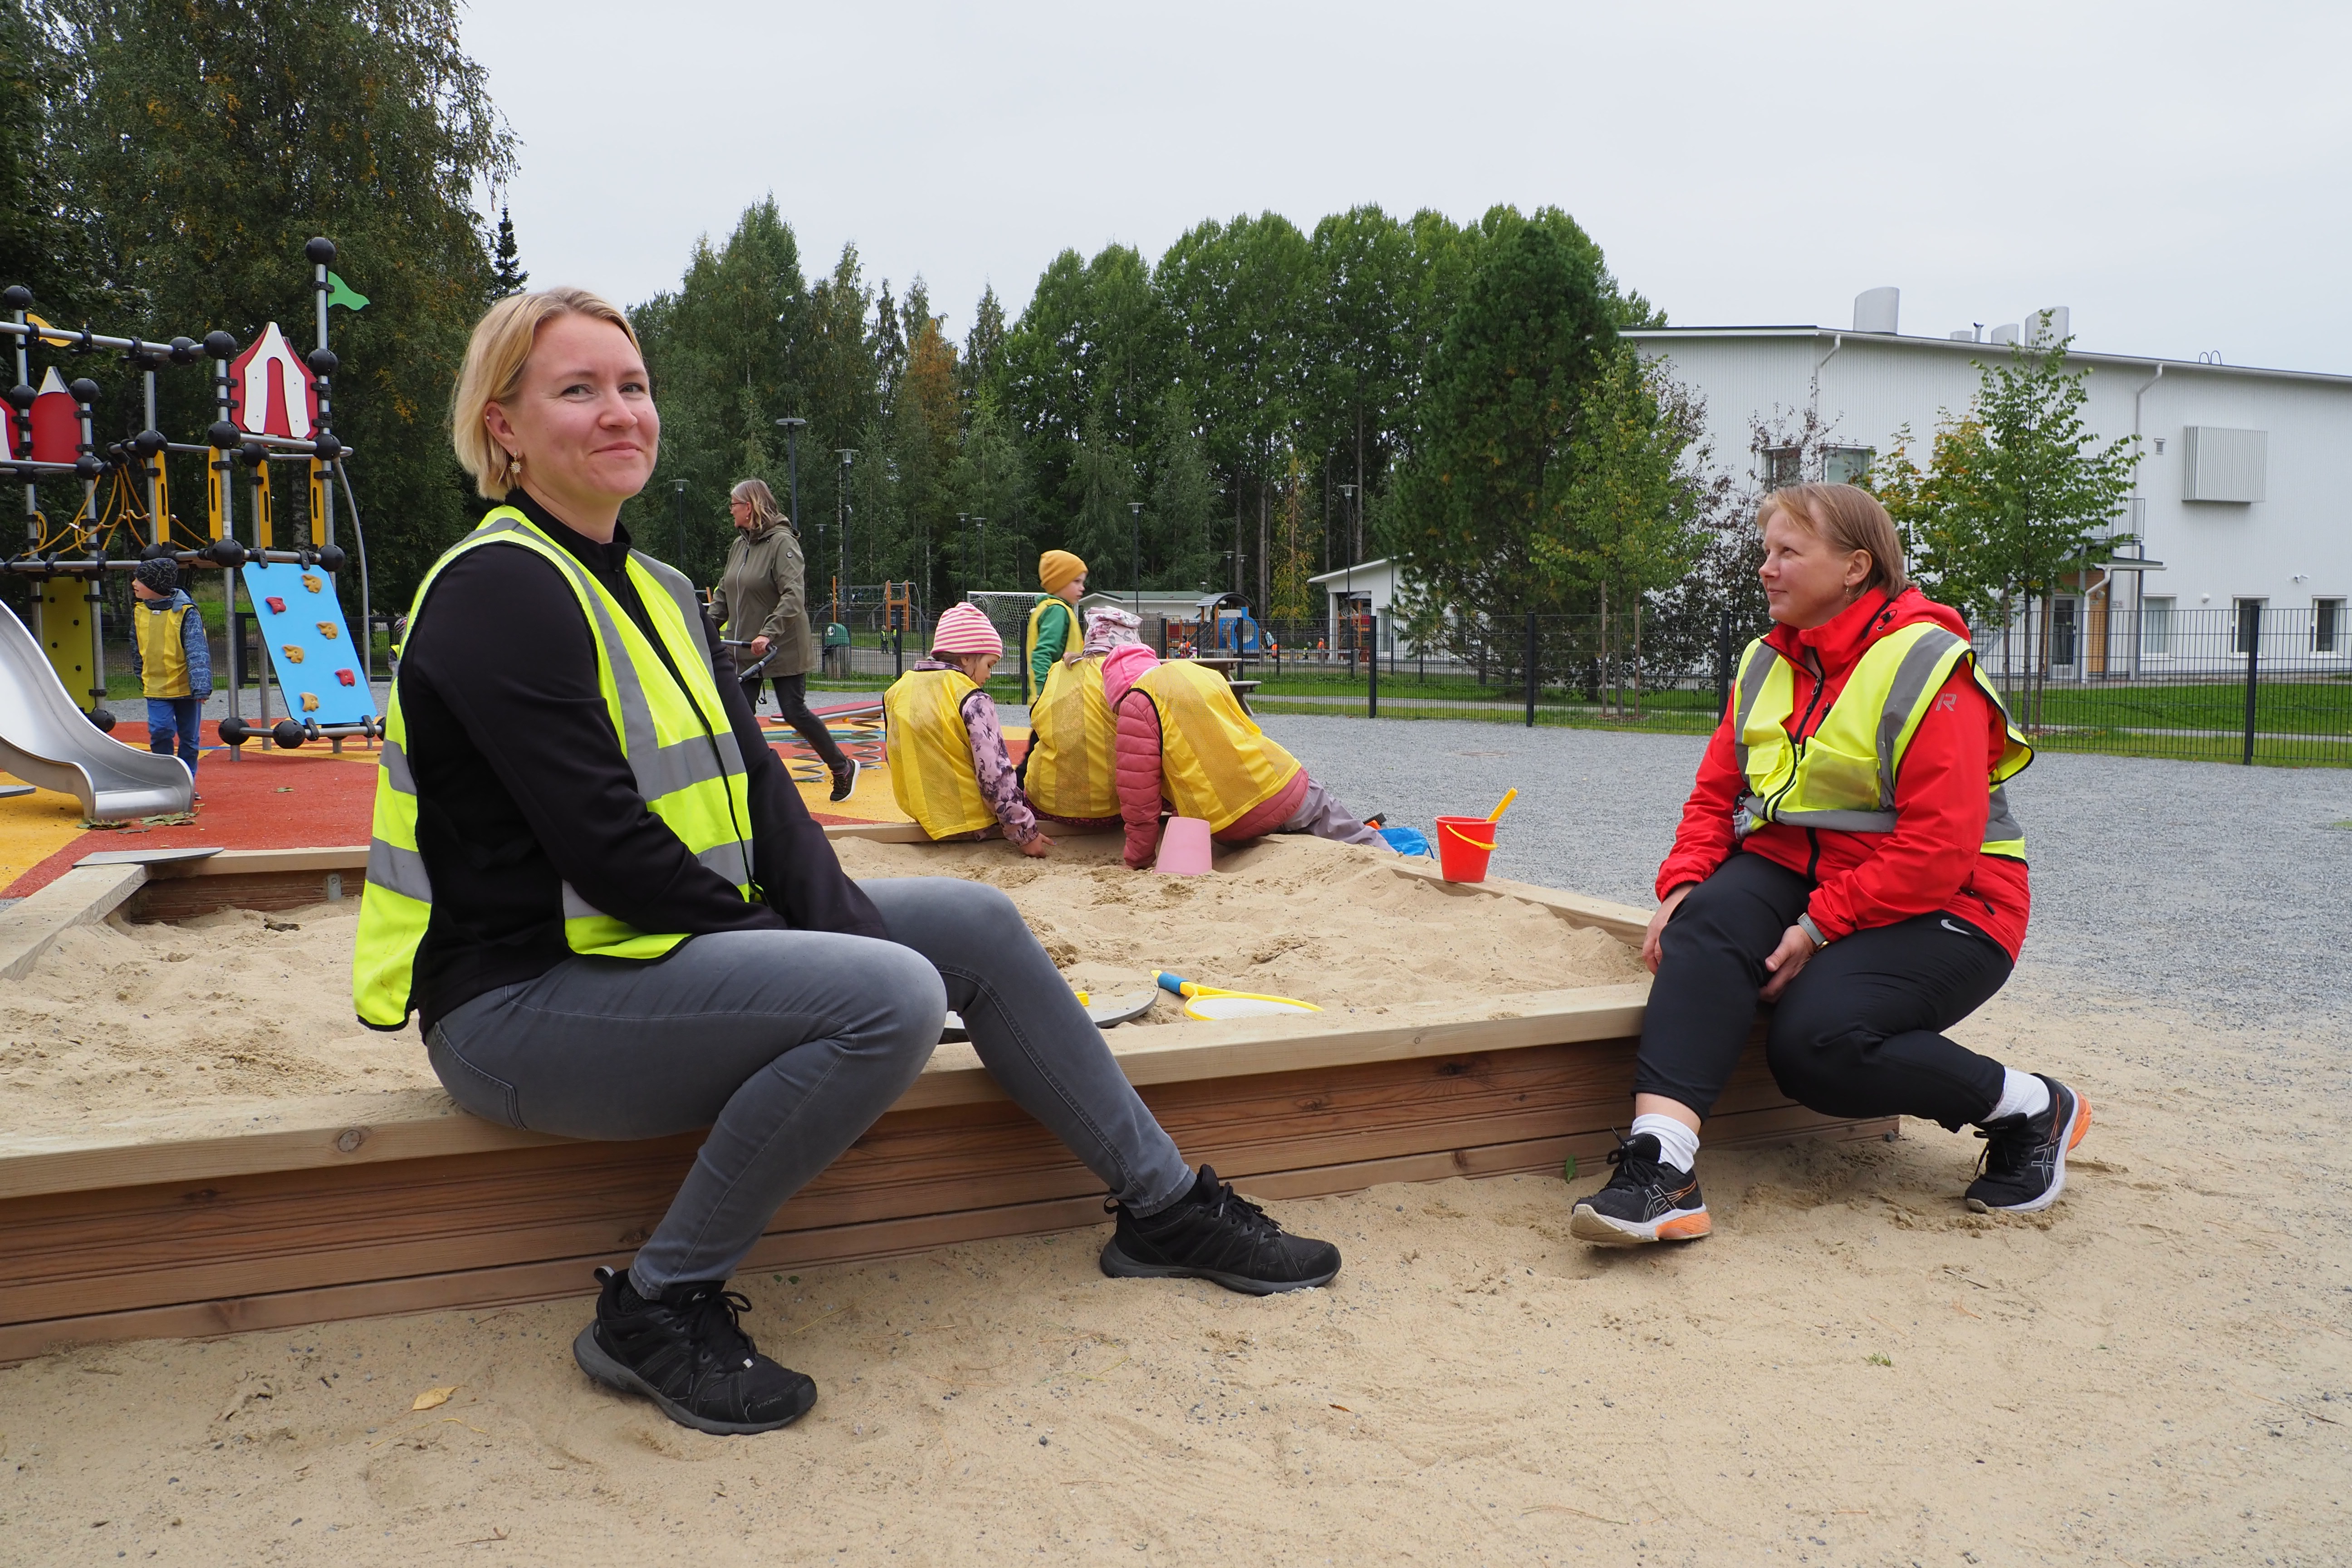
[1677, 1145]
[2021, 1094]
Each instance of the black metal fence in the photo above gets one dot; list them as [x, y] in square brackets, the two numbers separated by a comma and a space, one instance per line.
[2246, 683]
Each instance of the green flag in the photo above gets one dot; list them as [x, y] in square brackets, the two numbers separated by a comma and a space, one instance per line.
[342, 293]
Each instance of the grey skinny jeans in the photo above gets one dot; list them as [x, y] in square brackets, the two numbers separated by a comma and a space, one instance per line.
[788, 1045]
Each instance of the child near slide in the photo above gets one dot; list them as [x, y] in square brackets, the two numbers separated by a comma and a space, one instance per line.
[171, 659]
[949, 767]
[1184, 739]
[1069, 774]
[1052, 625]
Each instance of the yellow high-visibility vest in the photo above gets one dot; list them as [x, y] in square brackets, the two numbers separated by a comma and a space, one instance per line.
[1029, 641]
[929, 752]
[1843, 775]
[163, 656]
[1072, 738]
[679, 746]
[1214, 762]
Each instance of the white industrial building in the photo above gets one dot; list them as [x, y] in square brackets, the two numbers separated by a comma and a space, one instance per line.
[2241, 498]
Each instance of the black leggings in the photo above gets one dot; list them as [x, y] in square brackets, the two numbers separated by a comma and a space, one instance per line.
[1855, 1034]
[792, 707]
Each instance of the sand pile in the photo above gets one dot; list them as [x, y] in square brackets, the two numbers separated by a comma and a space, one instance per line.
[122, 1021]
[1289, 916]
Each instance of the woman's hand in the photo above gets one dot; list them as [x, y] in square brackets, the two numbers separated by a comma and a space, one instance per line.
[1666, 908]
[1036, 849]
[759, 647]
[1795, 951]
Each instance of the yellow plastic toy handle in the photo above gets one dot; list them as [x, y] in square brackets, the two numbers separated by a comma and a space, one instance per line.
[1496, 814]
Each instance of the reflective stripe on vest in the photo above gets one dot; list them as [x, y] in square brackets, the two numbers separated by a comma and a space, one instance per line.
[1072, 742]
[1214, 762]
[163, 656]
[929, 752]
[681, 752]
[1029, 641]
[1841, 776]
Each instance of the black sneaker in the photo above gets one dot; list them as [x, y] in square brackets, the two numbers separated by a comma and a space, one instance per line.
[2024, 1165]
[1646, 1199]
[845, 779]
[1211, 1233]
[688, 1355]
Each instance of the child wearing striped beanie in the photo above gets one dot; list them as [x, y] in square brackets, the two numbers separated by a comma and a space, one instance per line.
[949, 765]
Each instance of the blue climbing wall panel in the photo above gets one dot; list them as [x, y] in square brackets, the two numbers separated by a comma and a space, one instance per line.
[311, 649]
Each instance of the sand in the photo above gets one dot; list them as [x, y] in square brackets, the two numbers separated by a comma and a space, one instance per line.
[1852, 1370]
[1291, 916]
[119, 1022]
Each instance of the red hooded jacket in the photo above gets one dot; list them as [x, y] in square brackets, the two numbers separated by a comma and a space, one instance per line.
[1933, 861]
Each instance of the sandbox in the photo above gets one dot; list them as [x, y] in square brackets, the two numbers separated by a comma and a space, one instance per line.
[200, 1138]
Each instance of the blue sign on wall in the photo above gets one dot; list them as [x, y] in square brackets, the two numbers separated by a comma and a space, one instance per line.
[311, 649]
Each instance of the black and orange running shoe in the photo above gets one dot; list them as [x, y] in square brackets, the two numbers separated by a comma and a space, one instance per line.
[1645, 1200]
[2024, 1165]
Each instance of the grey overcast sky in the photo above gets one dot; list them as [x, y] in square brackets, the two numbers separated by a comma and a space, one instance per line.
[2175, 172]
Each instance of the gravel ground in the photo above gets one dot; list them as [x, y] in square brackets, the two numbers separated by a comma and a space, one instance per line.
[2193, 885]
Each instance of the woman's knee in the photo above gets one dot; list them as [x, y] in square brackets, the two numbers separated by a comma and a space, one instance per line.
[910, 1001]
[1816, 1048]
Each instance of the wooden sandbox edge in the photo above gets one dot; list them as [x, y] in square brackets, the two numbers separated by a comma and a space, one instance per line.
[421, 1123]
[543, 1280]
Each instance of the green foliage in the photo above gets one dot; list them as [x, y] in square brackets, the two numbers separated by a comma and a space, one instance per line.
[202, 145]
[506, 273]
[42, 245]
[2017, 494]
[1496, 469]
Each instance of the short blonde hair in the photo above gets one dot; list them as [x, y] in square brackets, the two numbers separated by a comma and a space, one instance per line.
[495, 357]
[1849, 519]
[765, 513]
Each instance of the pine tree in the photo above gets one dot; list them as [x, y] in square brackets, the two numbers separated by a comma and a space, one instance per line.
[506, 276]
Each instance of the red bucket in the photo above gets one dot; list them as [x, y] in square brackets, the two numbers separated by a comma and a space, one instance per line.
[1463, 845]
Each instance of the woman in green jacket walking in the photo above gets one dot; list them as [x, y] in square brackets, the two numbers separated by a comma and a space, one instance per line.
[762, 601]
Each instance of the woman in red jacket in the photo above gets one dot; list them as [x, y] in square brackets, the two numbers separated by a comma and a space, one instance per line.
[1848, 853]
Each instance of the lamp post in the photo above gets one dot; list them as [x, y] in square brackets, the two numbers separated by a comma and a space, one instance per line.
[981, 523]
[1348, 589]
[841, 519]
[677, 489]
[1135, 537]
[792, 462]
[963, 543]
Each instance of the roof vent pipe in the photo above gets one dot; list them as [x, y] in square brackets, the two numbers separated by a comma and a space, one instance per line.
[2005, 333]
[2043, 327]
[1875, 310]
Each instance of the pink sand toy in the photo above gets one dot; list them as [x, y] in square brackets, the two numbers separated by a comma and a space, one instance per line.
[1183, 848]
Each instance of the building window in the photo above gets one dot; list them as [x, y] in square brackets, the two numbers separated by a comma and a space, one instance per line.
[2249, 622]
[1783, 465]
[2327, 625]
[1846, 465]
[2155, 627]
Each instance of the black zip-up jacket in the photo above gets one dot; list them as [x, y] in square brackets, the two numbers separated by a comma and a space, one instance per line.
[521, 784]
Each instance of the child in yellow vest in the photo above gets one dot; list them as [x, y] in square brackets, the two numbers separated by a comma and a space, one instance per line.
[171, 659]
[1183, 743]
[1053, 626]
[1067, 774]
[949, 766]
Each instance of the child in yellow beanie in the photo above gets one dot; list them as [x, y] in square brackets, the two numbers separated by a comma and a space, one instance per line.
[949, 765]
[1054, 623]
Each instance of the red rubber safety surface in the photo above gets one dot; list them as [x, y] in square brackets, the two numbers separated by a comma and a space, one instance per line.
[270, 800]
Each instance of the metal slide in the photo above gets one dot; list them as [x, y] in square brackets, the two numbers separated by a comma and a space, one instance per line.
[47, 740]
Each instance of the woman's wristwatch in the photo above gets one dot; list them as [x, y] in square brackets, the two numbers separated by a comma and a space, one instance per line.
[1812, 932]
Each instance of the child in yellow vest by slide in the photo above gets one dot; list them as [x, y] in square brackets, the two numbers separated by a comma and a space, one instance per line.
[171, 659]
[949, 767]
[1053, 627]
